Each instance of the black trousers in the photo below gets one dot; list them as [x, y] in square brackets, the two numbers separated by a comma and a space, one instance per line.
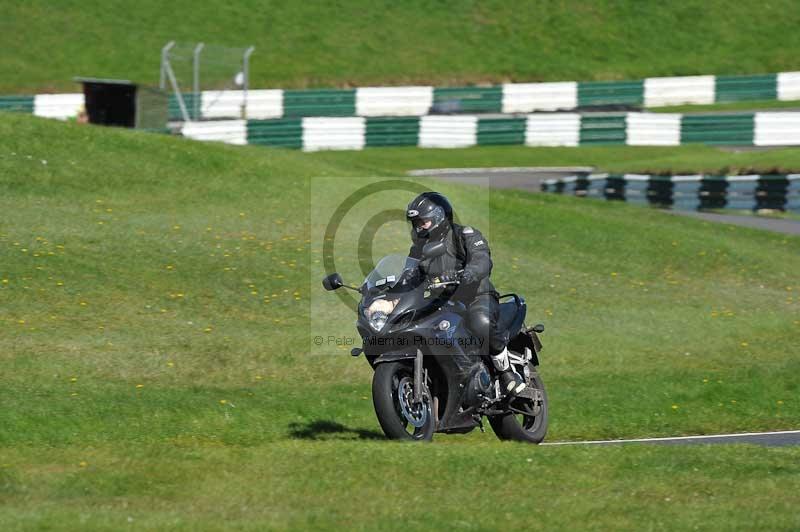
[482, 316]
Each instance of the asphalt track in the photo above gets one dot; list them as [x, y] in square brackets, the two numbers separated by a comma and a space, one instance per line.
[530, 180]
[767, 439]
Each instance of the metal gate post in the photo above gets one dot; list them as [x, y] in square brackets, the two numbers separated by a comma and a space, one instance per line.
[164, 60]
[246, 73]
[196, 81]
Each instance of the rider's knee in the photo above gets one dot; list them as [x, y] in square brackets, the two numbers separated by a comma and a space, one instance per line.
[480, 322]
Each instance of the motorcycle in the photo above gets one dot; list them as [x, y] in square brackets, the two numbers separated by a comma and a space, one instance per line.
[430, 373]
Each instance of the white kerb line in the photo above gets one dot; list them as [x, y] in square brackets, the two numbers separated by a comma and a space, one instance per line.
[673, 438]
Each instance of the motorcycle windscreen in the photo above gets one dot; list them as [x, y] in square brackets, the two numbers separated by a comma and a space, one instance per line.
[390, 271]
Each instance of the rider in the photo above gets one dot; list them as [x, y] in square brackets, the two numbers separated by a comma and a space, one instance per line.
[431, 218]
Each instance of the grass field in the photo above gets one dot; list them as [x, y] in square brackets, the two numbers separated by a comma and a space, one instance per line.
[744, 106]
[155, 303]
[687, 159]
[362, 43]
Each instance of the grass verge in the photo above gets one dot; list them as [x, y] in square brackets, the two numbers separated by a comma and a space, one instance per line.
[361, 43]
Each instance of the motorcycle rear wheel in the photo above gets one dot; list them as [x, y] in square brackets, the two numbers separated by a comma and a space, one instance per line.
[396, 412]
[519, 427]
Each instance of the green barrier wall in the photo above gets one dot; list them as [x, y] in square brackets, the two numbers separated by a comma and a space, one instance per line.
[470, 99]
[611, 93]
[319, 103]
[391, 131]
[743, 88]
[718, 129]
[174, 109]
[22, 104]
[501, 131]
[603, 129]
[285, 132]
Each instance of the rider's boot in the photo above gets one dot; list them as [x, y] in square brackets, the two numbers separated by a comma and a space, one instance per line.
[510, 381]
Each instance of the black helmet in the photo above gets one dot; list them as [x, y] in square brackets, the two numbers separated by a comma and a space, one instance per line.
[433, 207]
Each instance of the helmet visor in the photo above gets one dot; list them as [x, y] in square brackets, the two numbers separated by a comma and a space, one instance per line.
[429, 220]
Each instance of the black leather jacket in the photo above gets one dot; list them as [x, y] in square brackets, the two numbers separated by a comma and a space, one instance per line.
[467, 249]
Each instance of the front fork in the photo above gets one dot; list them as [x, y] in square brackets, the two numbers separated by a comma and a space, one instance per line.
[418, 379]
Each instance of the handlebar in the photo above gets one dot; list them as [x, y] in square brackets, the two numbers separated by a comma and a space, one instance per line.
[442, 285]
[446, 283]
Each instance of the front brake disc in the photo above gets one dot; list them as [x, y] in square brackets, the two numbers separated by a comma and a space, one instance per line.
[416, 414]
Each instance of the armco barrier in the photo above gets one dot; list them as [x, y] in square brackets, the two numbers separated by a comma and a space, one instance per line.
[777, 128]
[61, 106]
[660, 92]
[557, 129]
[228, 131]
[325, 133]
[602, 128]
[743, 88]
[596, 93]
[529, 97]
[506, 98]
[284, 133]
[22, 104]
[330, 102]
[392, 131]
[653, 129]
[261, 104]
[501, 131]
[394, 101]
[448, 131]
[536, 129]
[468, 100]
[788, 86]
[750, 192]
[735, 129]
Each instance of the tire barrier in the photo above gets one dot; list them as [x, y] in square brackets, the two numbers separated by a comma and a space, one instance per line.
[537, 129]
[424, 100]
[776, 192]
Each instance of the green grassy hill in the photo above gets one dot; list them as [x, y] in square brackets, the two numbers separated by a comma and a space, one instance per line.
[361, 43]
[155, 305]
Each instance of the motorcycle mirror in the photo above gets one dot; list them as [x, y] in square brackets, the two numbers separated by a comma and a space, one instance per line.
[332, 282]
[432, 250]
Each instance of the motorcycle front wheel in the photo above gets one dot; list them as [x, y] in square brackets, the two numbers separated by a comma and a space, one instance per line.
[392, 396]
[530, 427]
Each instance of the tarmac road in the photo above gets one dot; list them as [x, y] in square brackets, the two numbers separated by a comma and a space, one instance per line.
[780, 225]
[768, 439]
[530, 179]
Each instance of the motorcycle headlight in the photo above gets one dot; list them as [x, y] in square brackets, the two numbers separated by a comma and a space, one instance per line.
[378, 313]
[377, 320]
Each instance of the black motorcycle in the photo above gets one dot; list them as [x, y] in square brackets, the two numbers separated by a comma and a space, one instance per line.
[431, 373]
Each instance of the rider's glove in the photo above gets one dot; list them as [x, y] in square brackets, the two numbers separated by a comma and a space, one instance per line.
[468, 277]
[413, 276]
[448, 276]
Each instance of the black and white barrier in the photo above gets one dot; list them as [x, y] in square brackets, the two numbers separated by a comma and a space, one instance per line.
[687, 192]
